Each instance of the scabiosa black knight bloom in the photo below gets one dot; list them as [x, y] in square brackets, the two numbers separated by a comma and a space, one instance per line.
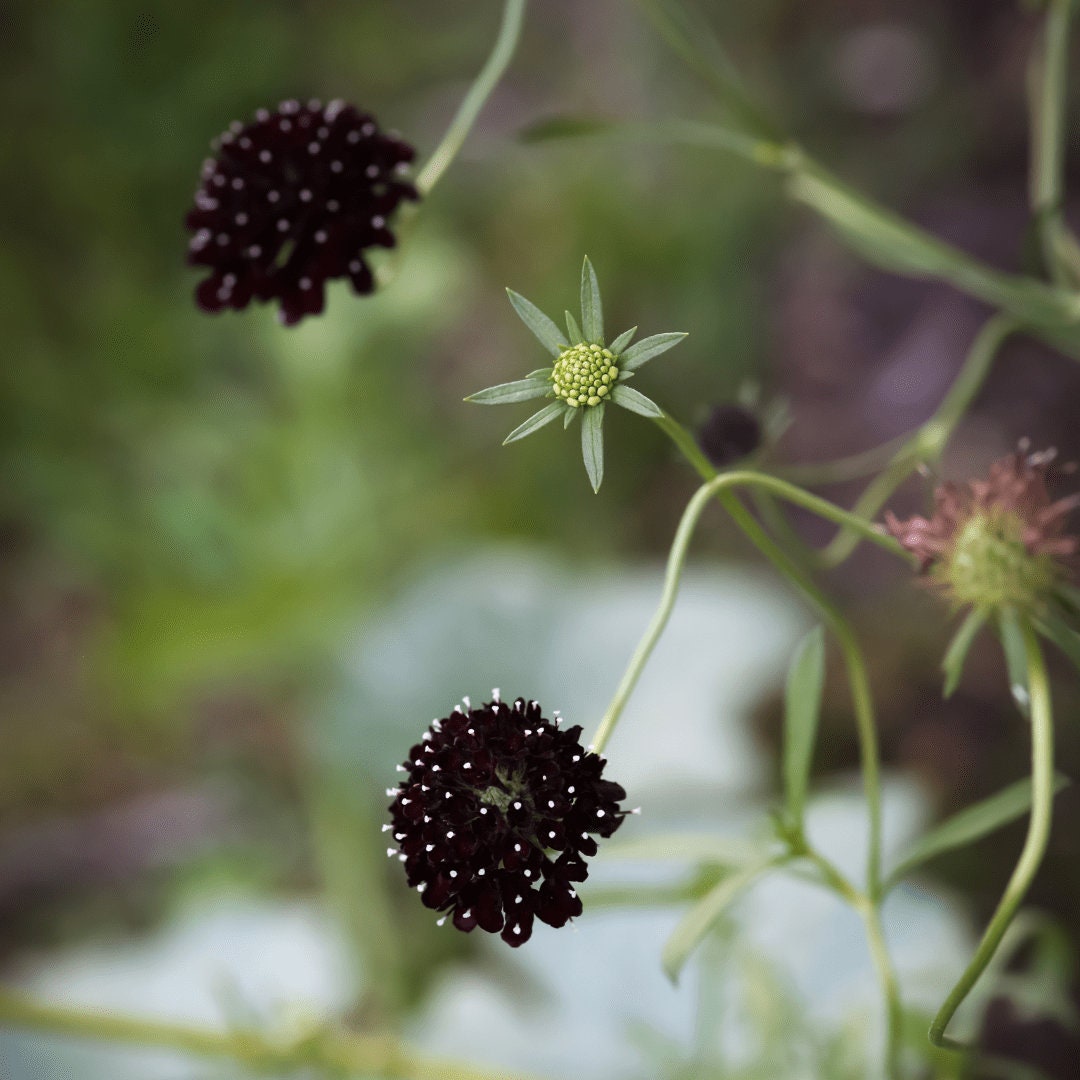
[496, 813]
[293, 200]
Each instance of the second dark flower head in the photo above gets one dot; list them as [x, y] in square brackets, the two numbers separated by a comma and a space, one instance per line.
[293, 200]
[496, 814]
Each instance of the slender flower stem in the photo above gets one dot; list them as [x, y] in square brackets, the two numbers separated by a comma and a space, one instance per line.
[720, 487]
[858, 680]
[1048, 127]
[1042, 779]
[328, 1051]
[501, 54]
[928, 441]
[870, 913]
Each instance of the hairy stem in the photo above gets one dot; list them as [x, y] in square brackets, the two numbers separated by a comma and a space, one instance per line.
[1042, 779]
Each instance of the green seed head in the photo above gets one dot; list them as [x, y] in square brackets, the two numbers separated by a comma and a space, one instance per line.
[584, 374]
[991, 567]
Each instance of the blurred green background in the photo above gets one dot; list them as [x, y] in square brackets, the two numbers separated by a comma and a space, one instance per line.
[200, 515]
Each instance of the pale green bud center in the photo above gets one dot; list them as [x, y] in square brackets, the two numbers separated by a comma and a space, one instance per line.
[585, 374]
[990, 566]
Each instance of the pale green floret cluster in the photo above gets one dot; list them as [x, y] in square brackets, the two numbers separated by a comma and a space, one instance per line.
[584, 374]
[992, 568]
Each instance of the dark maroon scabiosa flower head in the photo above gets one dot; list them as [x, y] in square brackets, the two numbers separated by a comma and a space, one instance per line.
[995, 543]
[495, 815]
[291, 201]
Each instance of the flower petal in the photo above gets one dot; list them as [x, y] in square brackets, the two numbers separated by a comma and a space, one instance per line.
[592, 312]
[506, 393]
[545, 331]
[536, 421]
[636, 402]
[647, 348]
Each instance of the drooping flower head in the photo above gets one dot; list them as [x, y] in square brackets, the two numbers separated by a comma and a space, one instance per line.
[586, 374]
[730, 434]
[293, 200]
[495, 816]
[995, 543]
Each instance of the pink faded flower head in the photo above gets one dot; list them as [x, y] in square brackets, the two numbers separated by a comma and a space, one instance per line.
[996, 542]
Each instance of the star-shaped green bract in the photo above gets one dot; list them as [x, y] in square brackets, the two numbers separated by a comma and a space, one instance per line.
[585, 376]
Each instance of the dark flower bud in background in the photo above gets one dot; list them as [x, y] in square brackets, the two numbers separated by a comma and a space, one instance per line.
[291, 201]
[496, 814]
[729, 434]
[995, 543]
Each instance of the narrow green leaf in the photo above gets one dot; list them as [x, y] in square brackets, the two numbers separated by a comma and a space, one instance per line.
[623, 340]
[1012, 642]
[546, 332]
[1057, 631]
[703, 916]
[505, 393]
[802, 709]
[647, 348]
[629, 398]
[956, 654]
[592, 442]
[540, 373]
[572, 328]
[970, 825]
[571, 415]
[535, 422]
[592, 311]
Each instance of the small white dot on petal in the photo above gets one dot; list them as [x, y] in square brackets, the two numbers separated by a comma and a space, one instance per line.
[223, 239]
[333, 205]
[283, 225]
[241, 218]
[377, 222]
[305, 195]
[254, 251]
[244, 143]
[336, 166]
[273, 196]
[372, 171]
[453, 873]
[368, 128]
[313, 147]
[354, 266]
[450, 834]
[262, 115]
[229, 280]
[237, 184]
[265, 157]
[517, 806]
[285, 125]
[323, 132]
[353, 137]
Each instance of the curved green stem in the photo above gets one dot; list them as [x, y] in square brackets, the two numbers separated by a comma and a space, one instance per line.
[1042, 779]
[928, 440]
[720, 486]
[1048, 128]
[870, 913]
[502, 52]
[323, 1050]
